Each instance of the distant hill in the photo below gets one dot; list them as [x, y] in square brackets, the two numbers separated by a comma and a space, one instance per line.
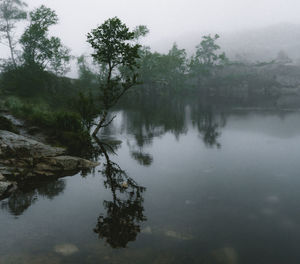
[260, 44]
[263, 44]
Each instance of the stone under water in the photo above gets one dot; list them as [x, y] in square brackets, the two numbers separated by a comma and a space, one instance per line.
[66, 249]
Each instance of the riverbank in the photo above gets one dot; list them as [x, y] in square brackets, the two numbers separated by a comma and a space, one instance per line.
[24, 157]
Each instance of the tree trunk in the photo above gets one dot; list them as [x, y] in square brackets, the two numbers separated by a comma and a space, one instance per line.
[101, 123]
[10, 45]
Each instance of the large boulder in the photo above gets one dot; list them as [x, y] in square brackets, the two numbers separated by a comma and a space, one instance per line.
[13, 145]
[51, 166]
[22, 158]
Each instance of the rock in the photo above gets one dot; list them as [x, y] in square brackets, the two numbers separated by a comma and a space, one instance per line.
[22, 158]
[50, 165]
[6, 188]
[2, 178]
[66, 249]
[13, 145]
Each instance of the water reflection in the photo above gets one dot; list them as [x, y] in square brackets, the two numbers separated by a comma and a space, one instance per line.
[143, 159]
[28, 194]
[151, 120]
[208, 124]
[125, 212]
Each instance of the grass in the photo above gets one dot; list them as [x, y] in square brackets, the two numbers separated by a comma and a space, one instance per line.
[64, 128]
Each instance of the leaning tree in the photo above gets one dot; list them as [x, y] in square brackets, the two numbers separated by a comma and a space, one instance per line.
[117, 54]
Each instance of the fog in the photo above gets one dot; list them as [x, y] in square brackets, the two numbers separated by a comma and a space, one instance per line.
[182, 150]
[170, 21]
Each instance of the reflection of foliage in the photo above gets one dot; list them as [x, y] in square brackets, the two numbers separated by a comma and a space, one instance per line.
[137, 153]
[156, 118]
[144, 159]
[125, 211]
[25, 196]
[208, 125]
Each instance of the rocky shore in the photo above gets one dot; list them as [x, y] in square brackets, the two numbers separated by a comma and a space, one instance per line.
[23, 159]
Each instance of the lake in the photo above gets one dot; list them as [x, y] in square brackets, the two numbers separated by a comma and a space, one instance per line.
[187, 184]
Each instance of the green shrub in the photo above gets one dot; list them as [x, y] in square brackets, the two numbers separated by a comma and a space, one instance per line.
[66, 128]
[77, 143]
[67, 121]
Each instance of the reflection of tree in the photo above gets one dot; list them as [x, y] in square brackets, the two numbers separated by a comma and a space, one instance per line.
[125, 212]
[27, 195]
[208, 125]
[144, 159]
[155, 118]
[138, 154]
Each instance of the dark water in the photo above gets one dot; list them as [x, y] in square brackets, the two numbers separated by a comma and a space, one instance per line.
[188, 185]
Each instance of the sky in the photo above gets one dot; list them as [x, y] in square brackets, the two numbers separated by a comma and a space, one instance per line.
[168, 20]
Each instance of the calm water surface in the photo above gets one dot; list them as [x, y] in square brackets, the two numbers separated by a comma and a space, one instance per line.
[186, 186]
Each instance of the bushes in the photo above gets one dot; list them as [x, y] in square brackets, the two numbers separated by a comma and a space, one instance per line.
[86, 108]
[23, 81]
[64, 128]
[41, 115]
[77, 143]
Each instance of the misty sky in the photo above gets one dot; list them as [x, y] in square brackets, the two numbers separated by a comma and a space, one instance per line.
[168, 20]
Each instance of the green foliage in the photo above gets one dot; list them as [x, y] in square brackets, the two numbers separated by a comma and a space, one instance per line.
[77, 143]
[40, 50]
[140, 31]
[86, 108]
[43, 58]
[162, 74]
[67, 121]
[207, 56]
[117, 56]
[63, 127]
[174, 65]
[110, 42]
[87, 76]
[41, 115]
[23, 80]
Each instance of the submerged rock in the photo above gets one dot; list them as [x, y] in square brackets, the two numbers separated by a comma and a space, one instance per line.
[66, 249]
[6, 188]
[147, 230]
[49, 166]
[176, 235]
